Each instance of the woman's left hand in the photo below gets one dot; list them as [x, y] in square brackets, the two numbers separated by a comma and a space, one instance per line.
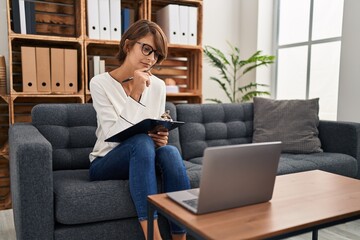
[160, 138]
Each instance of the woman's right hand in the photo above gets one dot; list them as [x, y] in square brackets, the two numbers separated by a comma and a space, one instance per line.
[140, 81]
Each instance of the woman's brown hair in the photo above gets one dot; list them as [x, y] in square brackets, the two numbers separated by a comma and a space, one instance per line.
[138, 30]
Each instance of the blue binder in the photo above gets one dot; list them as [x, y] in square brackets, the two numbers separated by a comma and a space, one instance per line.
[125, 19]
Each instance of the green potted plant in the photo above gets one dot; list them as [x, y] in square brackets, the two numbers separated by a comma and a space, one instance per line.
[232, 69]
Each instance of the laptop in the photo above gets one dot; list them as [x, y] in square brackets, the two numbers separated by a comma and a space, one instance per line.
[233, 176]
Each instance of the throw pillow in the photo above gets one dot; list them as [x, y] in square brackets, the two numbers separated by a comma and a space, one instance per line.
[294, 122]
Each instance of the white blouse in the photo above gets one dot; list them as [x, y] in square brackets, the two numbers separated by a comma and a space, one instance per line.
[116, 111]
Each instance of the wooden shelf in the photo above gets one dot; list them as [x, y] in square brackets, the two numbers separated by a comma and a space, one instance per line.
[101, 42]
[33, 37]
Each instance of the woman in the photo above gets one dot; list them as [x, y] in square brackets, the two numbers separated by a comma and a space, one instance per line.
[123, 97]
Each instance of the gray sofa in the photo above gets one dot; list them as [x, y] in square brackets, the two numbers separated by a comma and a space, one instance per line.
[54, 199]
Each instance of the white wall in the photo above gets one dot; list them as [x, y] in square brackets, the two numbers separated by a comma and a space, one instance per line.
[349, 84]
[221, 24]
[265, 38]
[246, 24]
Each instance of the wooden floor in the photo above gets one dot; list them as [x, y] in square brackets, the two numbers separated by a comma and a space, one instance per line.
[347, 231]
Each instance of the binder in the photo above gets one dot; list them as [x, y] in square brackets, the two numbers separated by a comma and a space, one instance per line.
[168, 19]
[104, 19]
[144, 126]
[93, 19]
[22, 16]
[43, 69]
[16, 16]
[193, 20]
[184, 24]
[115, 19]
[30, 17]
[125, 19]
[71, 70]
[96, 62]
[57, 70]
[28, 68]
[102, 66]
[90, 69]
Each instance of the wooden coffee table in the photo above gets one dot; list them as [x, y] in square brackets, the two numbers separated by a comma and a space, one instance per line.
[301, 202]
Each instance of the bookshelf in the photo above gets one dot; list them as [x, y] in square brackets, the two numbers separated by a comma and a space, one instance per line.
[63, 24]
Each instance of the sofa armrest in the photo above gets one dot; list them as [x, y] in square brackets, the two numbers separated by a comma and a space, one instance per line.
[31, 182]
[341, 137]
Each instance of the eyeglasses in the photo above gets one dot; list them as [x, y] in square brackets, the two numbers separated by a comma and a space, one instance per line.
[146, 49]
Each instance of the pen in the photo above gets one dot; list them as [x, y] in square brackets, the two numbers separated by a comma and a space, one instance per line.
[127, 79]
[131, 78]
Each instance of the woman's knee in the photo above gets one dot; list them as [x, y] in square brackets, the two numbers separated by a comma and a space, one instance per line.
[168, 150]
[169, 155]
[142, 142]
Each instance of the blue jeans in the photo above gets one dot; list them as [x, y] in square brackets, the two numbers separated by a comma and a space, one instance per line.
[137, 159]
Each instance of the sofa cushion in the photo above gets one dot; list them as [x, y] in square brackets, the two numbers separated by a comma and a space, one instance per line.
[337, 163]
[294, 122]
[213, 125]
[71, 135]
[78, 200]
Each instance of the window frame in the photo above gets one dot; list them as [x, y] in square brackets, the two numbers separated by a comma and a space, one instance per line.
[308, 43]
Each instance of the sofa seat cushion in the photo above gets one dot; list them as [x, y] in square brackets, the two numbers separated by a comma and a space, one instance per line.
[330, 162]
[194, 172]
[197, 160]
[78, 200]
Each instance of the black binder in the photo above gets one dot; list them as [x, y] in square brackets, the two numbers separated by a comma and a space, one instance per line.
[144, 126]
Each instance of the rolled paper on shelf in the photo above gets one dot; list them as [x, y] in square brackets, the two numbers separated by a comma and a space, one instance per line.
[2, 75]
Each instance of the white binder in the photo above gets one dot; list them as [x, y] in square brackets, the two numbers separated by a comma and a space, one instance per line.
[102, 66]
[115, 19]
[168, 20]
[93, 19]
[96, 62]
[104, 12]
[22, 16]
[193, 21]
[184, 24]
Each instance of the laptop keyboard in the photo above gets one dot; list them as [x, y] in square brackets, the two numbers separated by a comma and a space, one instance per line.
[194, 191]
[192, 202]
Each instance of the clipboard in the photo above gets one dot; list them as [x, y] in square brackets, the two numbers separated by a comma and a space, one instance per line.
[144, 126]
